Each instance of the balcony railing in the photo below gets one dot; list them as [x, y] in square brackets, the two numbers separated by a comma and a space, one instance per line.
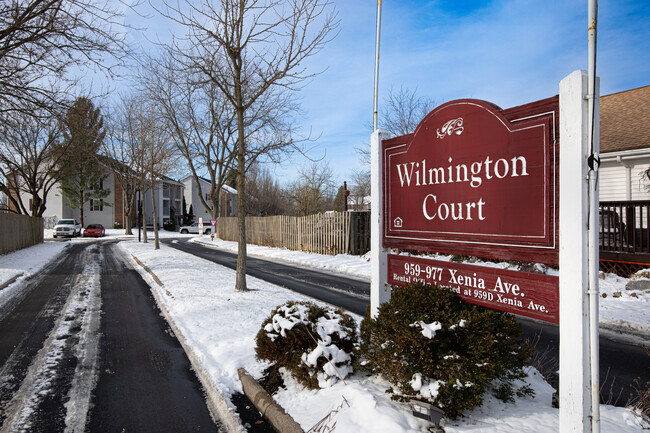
[624, 227]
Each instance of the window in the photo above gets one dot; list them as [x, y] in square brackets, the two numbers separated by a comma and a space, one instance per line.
[97, 205]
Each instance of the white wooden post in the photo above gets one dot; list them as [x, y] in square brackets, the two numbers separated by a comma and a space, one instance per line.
[379, 289]
[575, 386]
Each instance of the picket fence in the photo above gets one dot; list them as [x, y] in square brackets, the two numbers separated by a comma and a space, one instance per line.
[329, 233]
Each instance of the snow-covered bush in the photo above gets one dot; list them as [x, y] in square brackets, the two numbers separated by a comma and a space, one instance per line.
[314, 343]
[432, 346]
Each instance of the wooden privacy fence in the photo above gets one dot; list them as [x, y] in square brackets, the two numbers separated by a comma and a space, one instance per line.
[19, 231]
[330, 233]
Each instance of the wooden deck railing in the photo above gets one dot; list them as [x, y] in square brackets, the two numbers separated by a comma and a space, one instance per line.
[624, 226]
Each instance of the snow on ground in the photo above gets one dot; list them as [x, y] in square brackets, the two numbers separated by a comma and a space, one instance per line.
[629, 311]
[621, 308]
[24, 263]
[80, 313]
[219, 326]
[351, 265]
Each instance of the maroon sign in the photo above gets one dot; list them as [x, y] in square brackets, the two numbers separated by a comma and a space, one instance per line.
[472, 181]
[522, 293]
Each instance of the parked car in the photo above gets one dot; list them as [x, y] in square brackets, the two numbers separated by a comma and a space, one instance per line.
[194, 228]
[67, 227]
[94, 230]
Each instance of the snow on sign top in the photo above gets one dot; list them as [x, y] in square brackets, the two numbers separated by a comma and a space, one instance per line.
[475, 180]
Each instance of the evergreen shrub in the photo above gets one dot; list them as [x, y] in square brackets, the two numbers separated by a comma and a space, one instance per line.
[314, 343]
[434, 347]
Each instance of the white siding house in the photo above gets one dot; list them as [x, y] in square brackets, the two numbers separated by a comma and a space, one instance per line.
[102, 211]
[228, 198]
[109, 211]
[625, 145]
[168, 194]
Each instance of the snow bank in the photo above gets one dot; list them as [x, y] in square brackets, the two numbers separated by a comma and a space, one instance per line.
[220, 325]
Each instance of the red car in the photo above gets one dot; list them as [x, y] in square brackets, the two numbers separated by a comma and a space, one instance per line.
[94, 230]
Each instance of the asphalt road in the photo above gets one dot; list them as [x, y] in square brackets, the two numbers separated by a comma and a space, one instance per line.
[86, 349]
[620, 361]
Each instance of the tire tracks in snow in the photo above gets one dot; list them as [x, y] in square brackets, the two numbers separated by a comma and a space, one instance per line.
[56, 391]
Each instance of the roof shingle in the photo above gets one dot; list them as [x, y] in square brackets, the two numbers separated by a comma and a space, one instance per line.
[625, 120]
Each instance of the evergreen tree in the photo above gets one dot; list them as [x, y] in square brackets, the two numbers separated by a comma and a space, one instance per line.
[82, 176]
[339, 200]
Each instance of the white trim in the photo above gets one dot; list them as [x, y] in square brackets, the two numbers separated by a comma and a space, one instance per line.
[625, 154]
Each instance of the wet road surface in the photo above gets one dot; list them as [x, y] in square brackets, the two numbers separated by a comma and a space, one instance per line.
[86, 349]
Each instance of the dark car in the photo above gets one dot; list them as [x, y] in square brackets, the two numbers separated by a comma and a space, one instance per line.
[94, 230]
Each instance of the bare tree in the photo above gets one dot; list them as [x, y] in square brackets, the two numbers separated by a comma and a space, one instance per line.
[404, 110]
[265, 197]
[158, 151]
[360, 188]
[202, 121]
[401, 113]
[43, 41]
[257, 47]
[143, 138]
[312, 192]
[29, 160]
[123, 150]
[136, 132]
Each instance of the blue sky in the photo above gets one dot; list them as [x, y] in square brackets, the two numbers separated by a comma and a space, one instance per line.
[506, 52]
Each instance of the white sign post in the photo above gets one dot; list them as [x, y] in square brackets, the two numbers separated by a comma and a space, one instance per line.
[379, 288]
[200, 226]
[578, 270]
[576, 406]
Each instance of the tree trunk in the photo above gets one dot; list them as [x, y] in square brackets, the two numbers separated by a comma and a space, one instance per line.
[81, 208]
[218, 212]
[128, 208]
[144, 219]
[156, 243]
[240, 282]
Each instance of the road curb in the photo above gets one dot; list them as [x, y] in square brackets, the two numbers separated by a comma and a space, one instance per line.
[11, 280]
[155, 278]
[217, 404]
[262, 400]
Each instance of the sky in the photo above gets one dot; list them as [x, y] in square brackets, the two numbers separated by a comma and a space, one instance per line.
[507, 52]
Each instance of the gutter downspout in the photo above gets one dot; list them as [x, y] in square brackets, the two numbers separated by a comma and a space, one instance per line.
[628, 177]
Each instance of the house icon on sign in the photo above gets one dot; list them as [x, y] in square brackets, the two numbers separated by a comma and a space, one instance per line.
[398, 222]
